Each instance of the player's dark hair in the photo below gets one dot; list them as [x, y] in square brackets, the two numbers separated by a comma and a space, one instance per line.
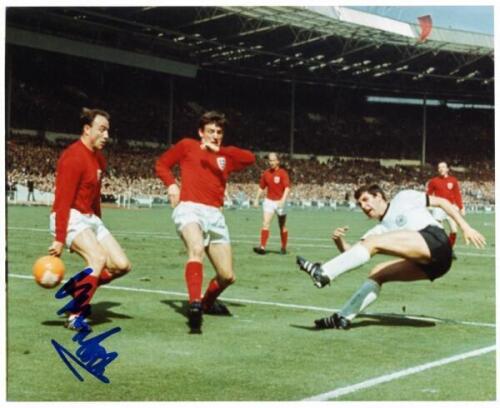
[372, 189]
[87, 116]
[213, 117]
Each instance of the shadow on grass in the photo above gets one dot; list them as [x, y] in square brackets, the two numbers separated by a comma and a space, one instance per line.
[181, 306]
[178, 306]
[101, 313]
[275, 252]
[379, 320]
[391, 320]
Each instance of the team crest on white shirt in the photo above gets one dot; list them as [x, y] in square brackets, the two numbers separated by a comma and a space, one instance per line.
[401, 220]
[221, 162]
[450, 186]
[276, 179]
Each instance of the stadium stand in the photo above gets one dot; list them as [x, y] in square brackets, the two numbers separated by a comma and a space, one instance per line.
[339, 138]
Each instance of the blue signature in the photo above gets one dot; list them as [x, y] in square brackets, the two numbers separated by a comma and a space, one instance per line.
[90, 356]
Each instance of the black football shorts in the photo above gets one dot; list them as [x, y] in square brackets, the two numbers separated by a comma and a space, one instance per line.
[441, 251]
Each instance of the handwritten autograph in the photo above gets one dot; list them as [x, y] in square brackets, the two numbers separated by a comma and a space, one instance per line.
[91, 355]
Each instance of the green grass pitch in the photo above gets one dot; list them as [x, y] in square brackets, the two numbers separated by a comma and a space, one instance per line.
[267, 350]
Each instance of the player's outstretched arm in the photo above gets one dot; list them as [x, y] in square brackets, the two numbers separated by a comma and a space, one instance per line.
[164, 164]
[338, 238]
[470, 234]
[239, 158]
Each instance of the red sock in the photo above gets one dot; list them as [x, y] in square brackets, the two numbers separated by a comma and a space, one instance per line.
[86, 289]
[284, 238]
[194, 280]
[106, 277]
[264, 236]
[213, 291]
[452, 237]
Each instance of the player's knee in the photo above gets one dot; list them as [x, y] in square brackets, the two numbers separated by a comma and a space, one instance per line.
[377, 275]
[123, 266]
[227, 280]
[196, 251]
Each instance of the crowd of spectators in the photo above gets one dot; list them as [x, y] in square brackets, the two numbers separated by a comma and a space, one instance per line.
[131, 172]
[334, 123]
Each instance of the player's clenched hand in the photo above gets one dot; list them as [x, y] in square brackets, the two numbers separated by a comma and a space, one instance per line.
[474, 237]
[56, 248]
[174, 194]
[339, 232]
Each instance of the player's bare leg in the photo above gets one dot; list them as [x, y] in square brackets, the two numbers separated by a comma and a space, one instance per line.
[192, 236]
[401, 270]
[86, 245]
[403, 244]
[267, 217]
[117, 263]
[221, 257]
[89, 248]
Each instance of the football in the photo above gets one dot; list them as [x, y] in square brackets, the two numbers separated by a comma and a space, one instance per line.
[48, 271]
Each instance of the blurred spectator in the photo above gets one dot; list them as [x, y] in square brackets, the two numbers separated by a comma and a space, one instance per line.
[31, 189]
[130, 171]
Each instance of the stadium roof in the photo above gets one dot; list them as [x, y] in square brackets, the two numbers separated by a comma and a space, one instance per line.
[331, 46]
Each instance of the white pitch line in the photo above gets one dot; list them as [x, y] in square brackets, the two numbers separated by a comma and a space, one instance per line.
[175, 237]
[398, 374]
[278, 304]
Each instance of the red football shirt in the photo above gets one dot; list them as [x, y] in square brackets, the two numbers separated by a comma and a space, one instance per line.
[446, 187]
[78, 184]
[203, 173]
[276, 180]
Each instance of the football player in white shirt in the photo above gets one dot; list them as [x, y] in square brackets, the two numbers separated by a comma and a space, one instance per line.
[407, 230]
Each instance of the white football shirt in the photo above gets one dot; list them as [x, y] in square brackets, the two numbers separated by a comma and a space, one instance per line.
[407, 211]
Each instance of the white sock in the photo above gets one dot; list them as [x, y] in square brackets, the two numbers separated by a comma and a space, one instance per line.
[351, 259]
[364, 296]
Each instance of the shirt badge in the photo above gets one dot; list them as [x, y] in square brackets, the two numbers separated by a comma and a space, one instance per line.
[221, 162]
[401, 220]
[449, 185]
[276, 179]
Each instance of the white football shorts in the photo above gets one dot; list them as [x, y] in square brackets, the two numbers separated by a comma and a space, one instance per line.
[79, 222]
[210, 219]
[271, 206]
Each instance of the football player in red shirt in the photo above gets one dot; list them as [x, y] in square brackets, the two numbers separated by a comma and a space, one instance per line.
[205, 167]
[446, 186]
[277, 182]
[76, 214]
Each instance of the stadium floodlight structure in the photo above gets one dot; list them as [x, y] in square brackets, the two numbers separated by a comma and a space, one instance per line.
[324, 46]
[282, 43]
[81, 49]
